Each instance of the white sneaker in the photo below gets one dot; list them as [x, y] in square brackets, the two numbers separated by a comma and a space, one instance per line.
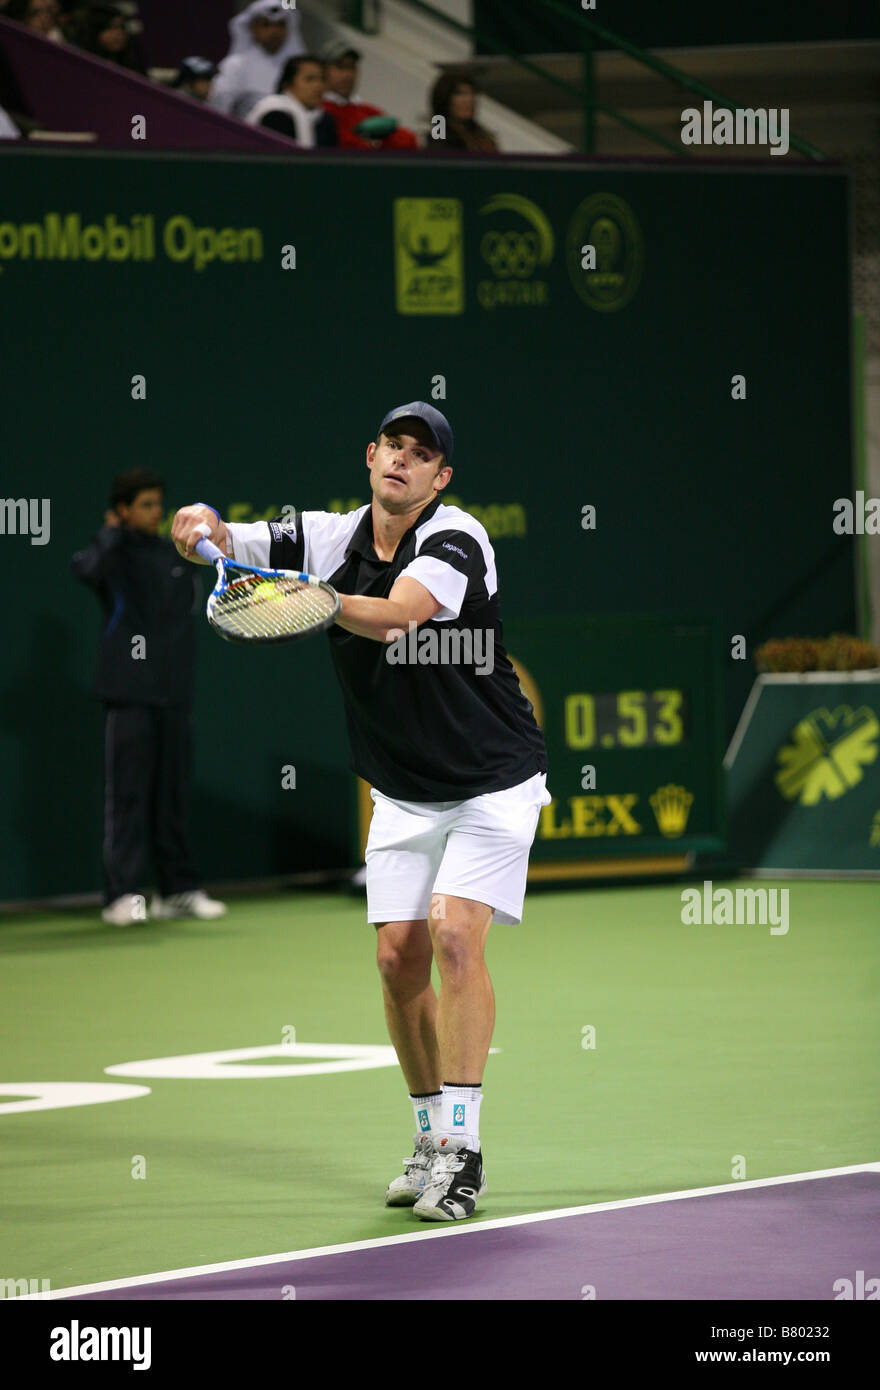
[455, 1184]
[406, 1190]
[124, 911]
[193, 904]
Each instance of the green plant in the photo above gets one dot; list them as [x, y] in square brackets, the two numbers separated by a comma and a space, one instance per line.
[839, 652]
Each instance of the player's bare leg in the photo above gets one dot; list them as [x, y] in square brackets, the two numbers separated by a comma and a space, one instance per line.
[465, 1019]
[445, 1039]
[403, 954]
[466, 1006]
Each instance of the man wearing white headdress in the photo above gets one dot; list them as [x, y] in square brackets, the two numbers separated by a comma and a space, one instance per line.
[263, 37]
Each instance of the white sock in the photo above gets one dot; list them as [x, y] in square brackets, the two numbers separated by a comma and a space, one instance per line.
[460, 1113]
[426, 1110]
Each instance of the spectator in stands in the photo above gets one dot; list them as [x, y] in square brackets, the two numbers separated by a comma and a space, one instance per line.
[263, 38]
[39, 15]
[359, 126]
[100, 29]
[194, 77]
[296, 111]
[145, 672]
[455, 99]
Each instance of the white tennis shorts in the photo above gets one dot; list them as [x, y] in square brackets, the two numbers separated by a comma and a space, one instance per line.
[475, 849]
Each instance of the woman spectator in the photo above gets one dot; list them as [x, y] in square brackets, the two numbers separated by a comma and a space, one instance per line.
[454, 97]
[297, 111]
[41, 16]
[101, 30]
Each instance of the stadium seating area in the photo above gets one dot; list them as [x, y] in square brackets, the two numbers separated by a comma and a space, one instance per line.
[251, 63]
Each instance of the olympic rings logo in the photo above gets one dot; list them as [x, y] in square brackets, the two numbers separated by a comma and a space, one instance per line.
[511, 253]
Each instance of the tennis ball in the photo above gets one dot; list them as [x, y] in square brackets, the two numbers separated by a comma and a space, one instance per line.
[268, 590]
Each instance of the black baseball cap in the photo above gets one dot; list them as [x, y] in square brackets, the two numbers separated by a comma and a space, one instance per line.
[193, 68]
[439, 427]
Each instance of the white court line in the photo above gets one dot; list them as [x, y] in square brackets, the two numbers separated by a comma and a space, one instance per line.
[438, 1233]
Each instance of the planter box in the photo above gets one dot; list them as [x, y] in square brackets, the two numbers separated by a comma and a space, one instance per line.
[803, 770]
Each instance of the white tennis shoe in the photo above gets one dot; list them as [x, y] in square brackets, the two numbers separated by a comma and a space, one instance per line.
[455, 1183]
[193, 904]
[126, 910]
[405, 1191]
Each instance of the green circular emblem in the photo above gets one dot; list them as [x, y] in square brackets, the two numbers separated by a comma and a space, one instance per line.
[607, 277]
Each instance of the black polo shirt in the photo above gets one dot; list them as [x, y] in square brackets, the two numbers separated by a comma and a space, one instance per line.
[444, 719]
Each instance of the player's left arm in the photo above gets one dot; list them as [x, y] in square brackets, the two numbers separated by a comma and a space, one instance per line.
[409, 601]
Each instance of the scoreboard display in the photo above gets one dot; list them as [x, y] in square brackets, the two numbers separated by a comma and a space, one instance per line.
[632, 713]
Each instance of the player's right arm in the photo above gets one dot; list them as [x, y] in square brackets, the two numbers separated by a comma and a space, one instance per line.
[313, 541]
[187, 529]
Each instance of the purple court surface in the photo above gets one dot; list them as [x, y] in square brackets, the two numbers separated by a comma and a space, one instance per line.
[783, 1240]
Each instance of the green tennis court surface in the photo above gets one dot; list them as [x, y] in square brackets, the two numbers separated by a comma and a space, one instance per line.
[720, 1052]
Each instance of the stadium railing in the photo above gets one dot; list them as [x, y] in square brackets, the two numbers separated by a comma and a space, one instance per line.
[363, 14]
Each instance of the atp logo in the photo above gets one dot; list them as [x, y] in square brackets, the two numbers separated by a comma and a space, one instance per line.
[428, 257]
[828, 754]
[458, 1115]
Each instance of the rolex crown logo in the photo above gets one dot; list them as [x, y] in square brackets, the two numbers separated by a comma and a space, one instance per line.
[671, 806]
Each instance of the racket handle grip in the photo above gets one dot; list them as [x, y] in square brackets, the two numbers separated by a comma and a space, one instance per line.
[208, 550]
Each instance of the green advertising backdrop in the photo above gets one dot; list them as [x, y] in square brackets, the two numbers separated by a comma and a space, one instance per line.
[243, 325]
[804, 775]
[631, 713]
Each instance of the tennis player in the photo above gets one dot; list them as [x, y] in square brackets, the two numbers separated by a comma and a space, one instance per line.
[440, 729]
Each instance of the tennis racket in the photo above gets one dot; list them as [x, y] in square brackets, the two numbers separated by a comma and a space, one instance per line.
[257, 605]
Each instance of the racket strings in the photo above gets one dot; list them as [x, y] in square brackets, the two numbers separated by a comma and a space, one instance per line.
[262, 608]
